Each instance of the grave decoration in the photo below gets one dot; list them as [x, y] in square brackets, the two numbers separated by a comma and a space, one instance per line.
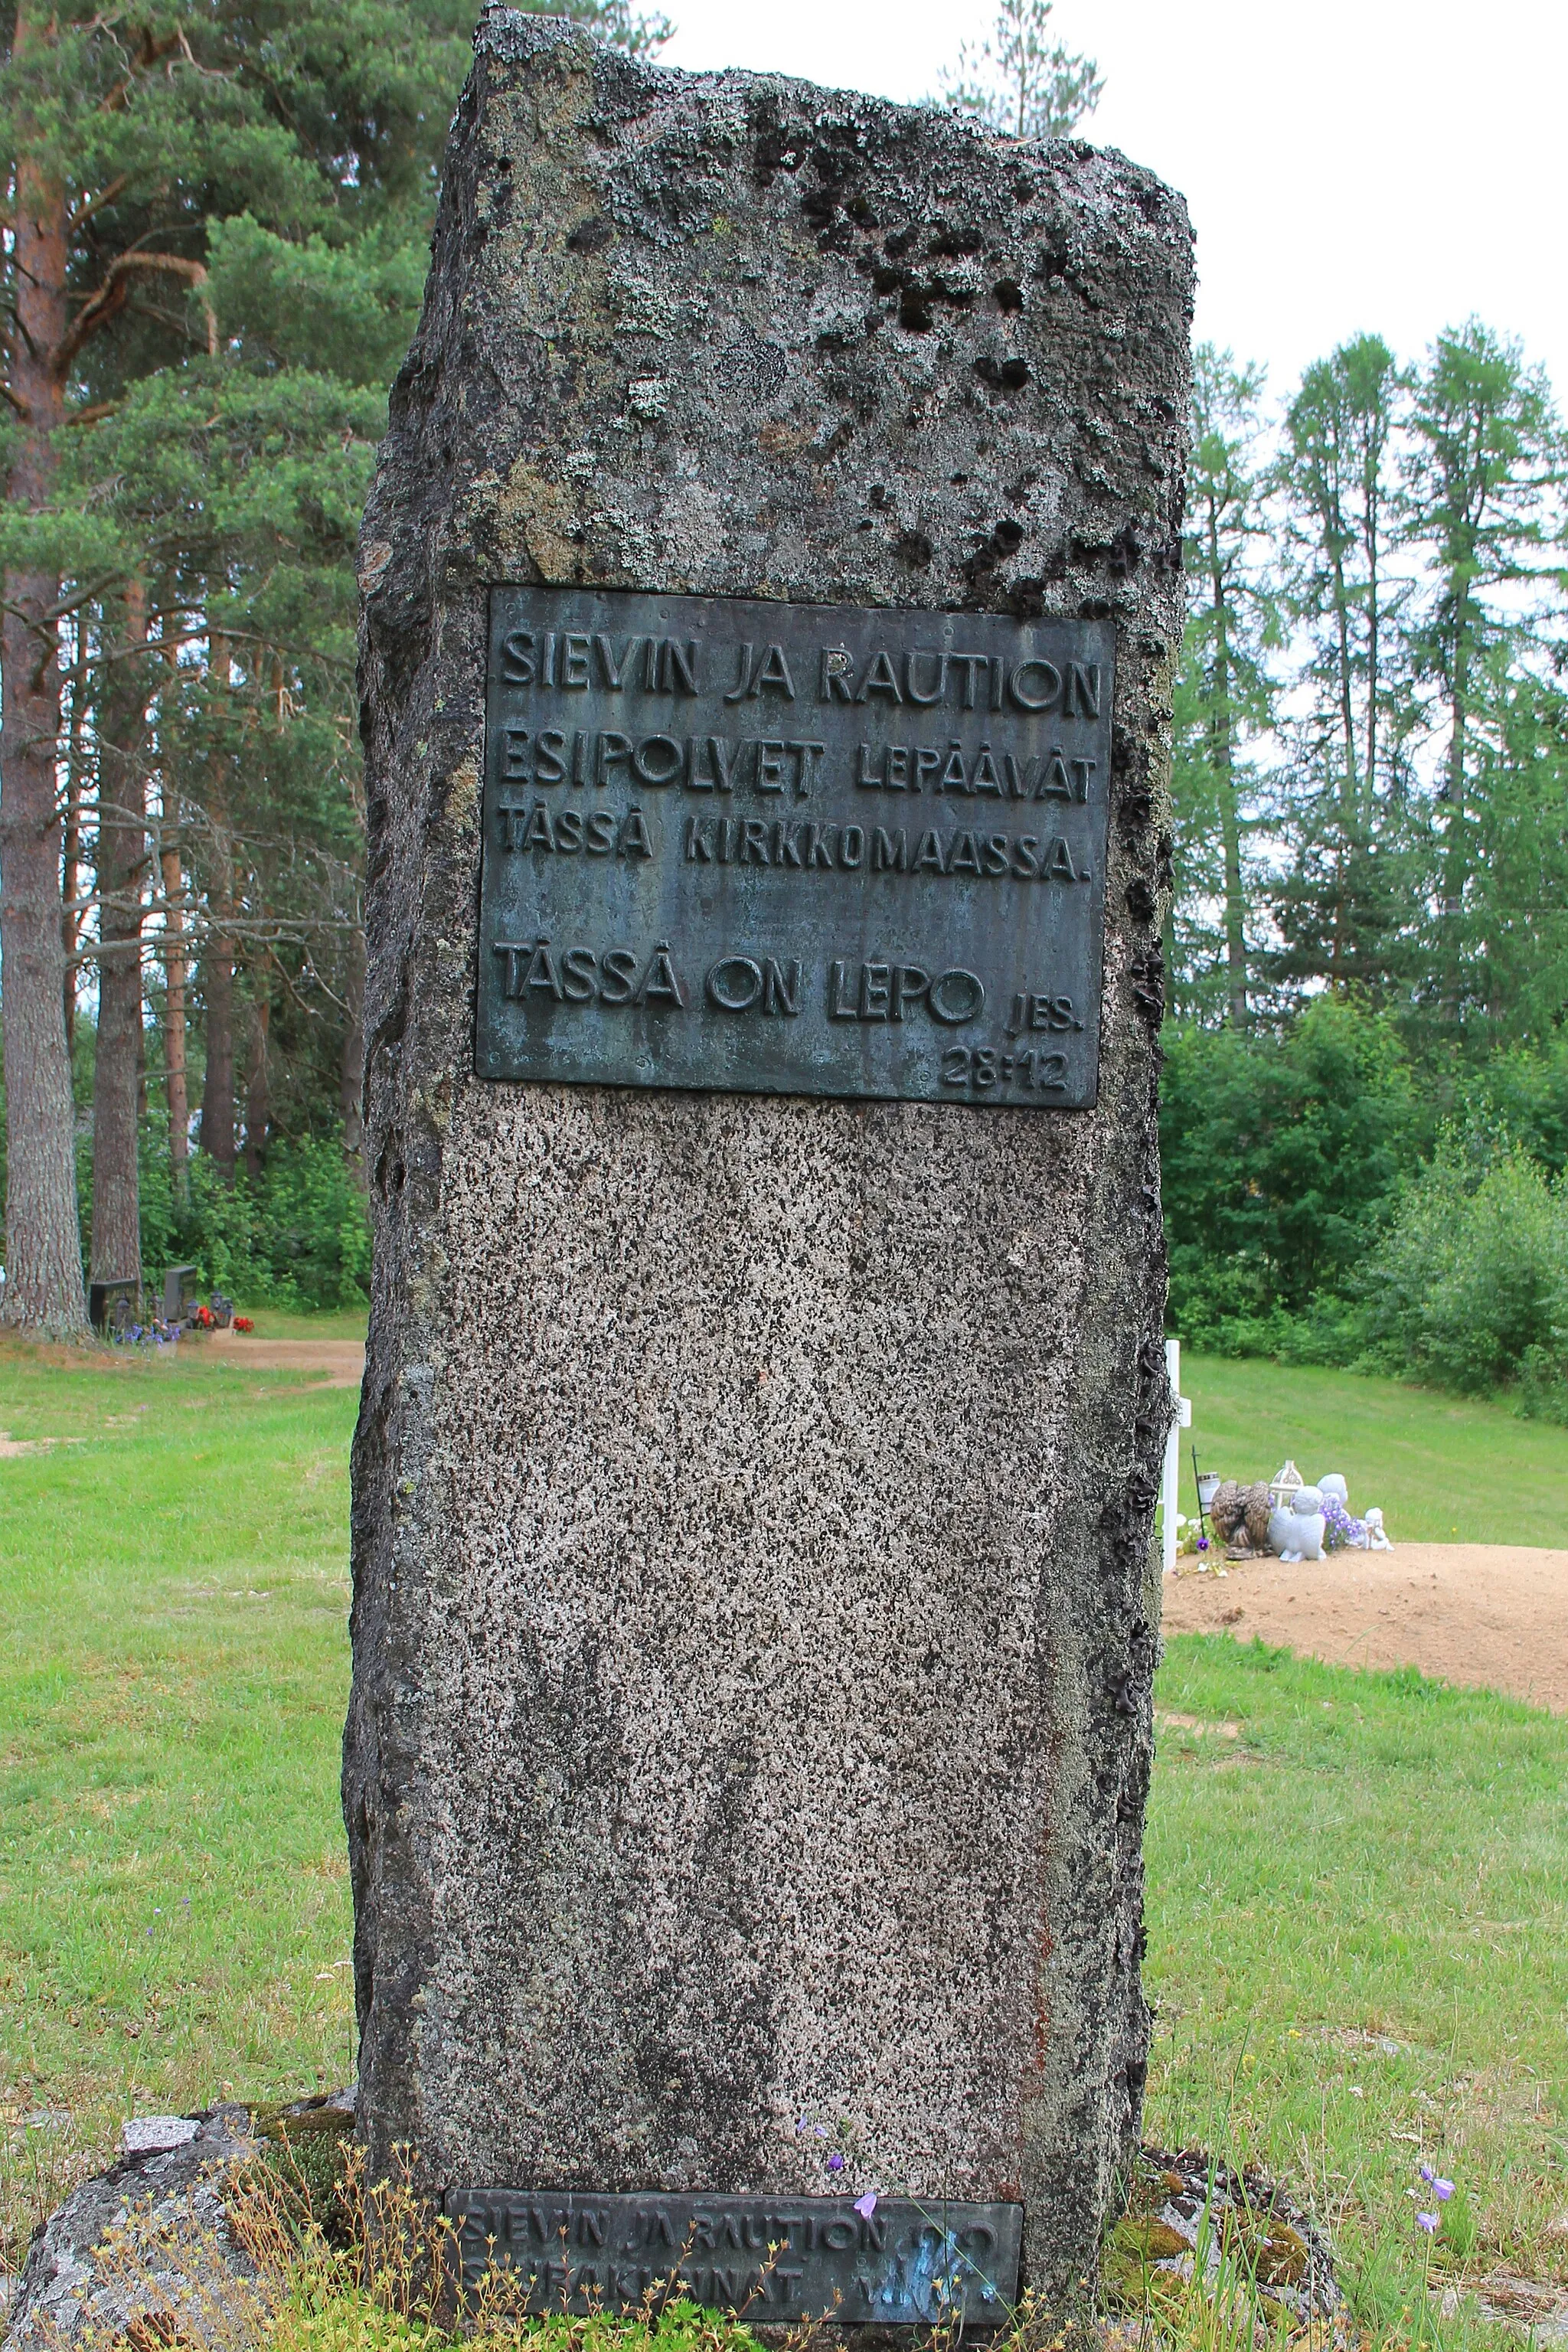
[1285, 1484]
[1311, 1521]
[1295, 1530]
[1241, 1515]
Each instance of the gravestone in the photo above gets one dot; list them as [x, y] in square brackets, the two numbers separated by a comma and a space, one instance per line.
[771, 584]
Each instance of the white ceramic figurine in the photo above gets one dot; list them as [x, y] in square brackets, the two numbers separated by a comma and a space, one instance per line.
[1298, 1533]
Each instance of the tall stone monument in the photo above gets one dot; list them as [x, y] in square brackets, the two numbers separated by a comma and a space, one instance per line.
[771, 584]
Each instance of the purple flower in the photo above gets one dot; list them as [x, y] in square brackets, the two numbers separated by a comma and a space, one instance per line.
[836, 2162]
[1340, 1526]
[866, 2206]
[804, 2124]
[1426, 2172]
[1427, 2221]
[1442, 2190]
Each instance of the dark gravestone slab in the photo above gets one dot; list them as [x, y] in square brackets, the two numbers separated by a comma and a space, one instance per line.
[112, 1305]
[772, 2260]
[177, 1292]
[794, 849]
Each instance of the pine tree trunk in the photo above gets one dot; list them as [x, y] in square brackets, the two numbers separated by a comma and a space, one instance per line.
[1349, 784]
[71, 866]
[1234, 906]
[217, 1082]
[44, 1290]
[122, 860]
[257, 1089]
[1222, 758]
[218, 960]
[1456, 840]
[1373, 624]
[177, 1093]
[1350, 840]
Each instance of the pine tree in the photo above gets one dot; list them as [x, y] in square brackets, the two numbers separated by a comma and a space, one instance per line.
[1483, 506]
[1021, 82]
[121, 859]
[184, 181]
[1346, 903]
[116, 141]
[1516, 906]
[1225, 692]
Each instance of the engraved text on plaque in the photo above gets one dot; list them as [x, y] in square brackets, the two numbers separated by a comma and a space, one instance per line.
[888, 2262]
[794, 848]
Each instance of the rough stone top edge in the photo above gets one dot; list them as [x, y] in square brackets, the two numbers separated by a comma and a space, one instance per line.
[510, 34]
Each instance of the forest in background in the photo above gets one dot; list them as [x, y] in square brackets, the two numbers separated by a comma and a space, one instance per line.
[215, 249]
[1366, 1093]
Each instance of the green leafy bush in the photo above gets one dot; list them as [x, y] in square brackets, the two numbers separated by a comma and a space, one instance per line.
[1282, 1156]
[1527, 1092]
[1470, 1288]
[315, 1230]
[297, 1237]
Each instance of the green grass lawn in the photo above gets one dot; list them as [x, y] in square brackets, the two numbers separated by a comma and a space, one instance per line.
[281, 1323]
[1358, 1884]
[1358, 1947]
[173, 1668]
[1445, 1469]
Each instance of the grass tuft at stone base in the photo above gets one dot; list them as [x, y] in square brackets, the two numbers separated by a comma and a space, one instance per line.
[1196, 2234]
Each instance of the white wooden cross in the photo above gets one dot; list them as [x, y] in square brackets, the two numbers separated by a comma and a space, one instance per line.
[1169, 1482]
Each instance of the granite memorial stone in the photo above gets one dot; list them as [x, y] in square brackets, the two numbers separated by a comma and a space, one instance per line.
[771, 589]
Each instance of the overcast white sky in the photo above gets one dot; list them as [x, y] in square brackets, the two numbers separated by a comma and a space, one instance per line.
[1393, 164]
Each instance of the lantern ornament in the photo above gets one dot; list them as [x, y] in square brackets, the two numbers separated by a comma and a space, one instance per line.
[1284, 1484]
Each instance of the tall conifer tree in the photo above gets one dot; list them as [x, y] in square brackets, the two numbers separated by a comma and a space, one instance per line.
[188, 180]
[1224, 693]
[118, 133]
[1483, 506]
[1351, 893]
[1020, 79]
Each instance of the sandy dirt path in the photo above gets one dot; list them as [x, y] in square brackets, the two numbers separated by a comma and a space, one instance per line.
[1491, 1615]
[343, 1360]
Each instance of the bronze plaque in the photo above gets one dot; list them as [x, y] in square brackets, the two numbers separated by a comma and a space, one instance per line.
[807, 849]
[890, 2261]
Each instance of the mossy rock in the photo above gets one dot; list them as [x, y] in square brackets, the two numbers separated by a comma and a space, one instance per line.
[1251, 2233]
[1149, 2240]
[1151, 2189]
[1136, 2244]
[1274, 2253]
[293, 2120]
[1283, 2257]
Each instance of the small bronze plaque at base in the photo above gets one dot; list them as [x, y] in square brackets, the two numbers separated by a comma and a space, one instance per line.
[906, 2262]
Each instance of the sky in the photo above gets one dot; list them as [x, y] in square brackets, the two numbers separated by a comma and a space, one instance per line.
[1349, 164]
